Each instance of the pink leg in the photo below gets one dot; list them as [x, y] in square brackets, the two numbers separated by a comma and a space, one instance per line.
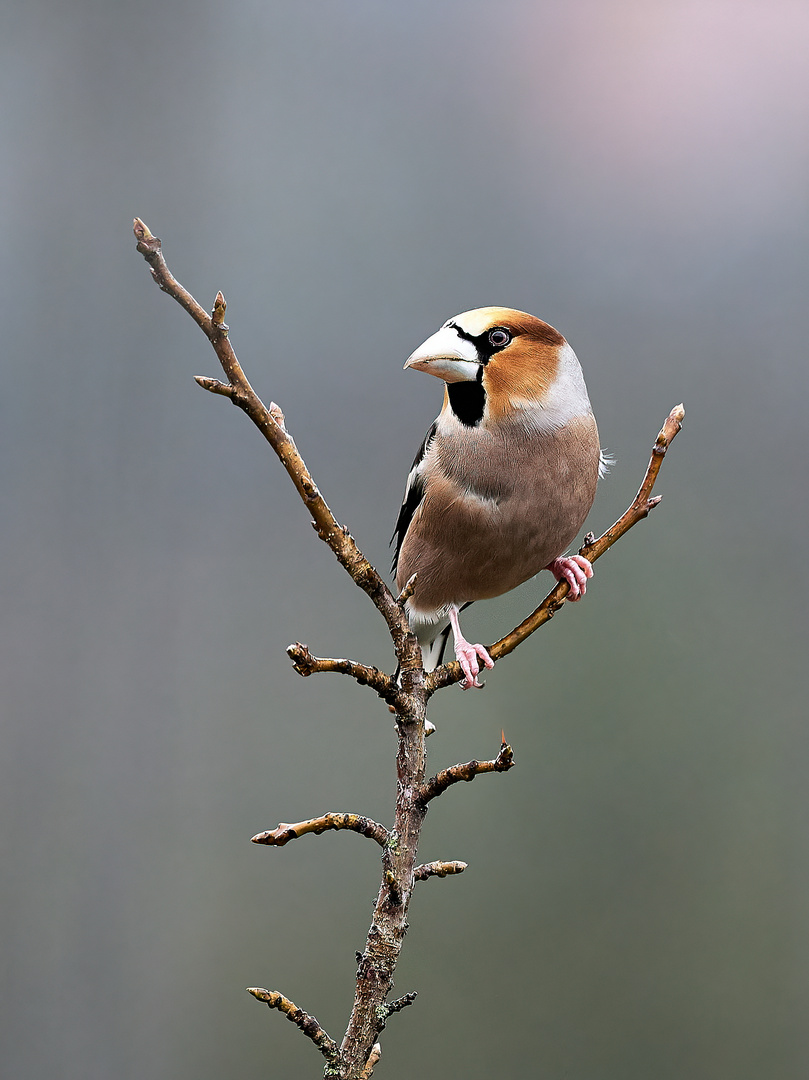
[467, 655]
[575, 570]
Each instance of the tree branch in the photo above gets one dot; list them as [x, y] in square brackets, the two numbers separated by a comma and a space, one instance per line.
[438, 869]
[438, 784]
[407, 591]
[592, 549]
[242, 394]
[402, 1002]
[283, 832]
[306, 664]
[308, 1024]
[406, 695]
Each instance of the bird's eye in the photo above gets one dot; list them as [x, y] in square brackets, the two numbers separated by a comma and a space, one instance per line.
[499, 337]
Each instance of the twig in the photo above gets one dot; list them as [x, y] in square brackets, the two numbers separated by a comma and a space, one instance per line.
[308, 1024]
[242, 394]
[407, 591]
[438, 784]
[639, 509]
[215, 386]
[283, 832]
[438, 869]
[402, 1002]
[306, 664]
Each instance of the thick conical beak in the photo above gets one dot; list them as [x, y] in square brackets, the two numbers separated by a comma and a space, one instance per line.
[447, 355]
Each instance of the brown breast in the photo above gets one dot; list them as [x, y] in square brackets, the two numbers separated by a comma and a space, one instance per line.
[490, 520]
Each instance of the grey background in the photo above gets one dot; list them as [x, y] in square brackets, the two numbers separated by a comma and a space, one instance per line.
[351, 174]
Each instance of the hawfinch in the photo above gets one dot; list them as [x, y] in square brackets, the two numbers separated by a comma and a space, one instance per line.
[504, 478]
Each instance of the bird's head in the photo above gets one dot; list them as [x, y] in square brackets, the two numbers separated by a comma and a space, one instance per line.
[493, 360]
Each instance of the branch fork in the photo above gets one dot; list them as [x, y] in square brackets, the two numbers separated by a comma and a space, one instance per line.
[356, 1057]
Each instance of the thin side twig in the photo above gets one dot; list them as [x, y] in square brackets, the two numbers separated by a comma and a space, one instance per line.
[402, 1002]
[640, 508]
[306, 664]
[308, 1024]
[283, 832]
[438, 869]
[408, 590]
[438, 784]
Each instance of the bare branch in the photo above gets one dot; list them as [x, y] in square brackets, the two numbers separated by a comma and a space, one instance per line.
[283, 833]
[438, 784]
[407, 591]
[306, 664]
[149, 247]
[308, 1024]
[215, 386]
[438, 869]
[271, 425]
[640, 508]
[401, 1003]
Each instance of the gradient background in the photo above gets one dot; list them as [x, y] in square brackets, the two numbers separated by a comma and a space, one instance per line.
[351, 173]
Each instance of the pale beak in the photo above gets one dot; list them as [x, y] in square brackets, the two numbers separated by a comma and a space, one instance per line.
[447, 355]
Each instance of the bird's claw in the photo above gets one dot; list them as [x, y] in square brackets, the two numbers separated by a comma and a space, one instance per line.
[575, 570]
[467, 656]
[476, 685]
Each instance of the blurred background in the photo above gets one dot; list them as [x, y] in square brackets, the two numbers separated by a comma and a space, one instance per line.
[351, 174]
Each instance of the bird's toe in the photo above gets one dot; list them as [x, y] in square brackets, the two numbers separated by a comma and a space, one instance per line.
[468, 656]
[576, 571]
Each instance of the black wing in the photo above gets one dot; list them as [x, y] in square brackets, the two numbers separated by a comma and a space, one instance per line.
[414, 493]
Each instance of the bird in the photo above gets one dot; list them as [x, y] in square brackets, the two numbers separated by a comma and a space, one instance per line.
[502, 481]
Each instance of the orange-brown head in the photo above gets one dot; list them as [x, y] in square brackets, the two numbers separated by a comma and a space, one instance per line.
[496, 360]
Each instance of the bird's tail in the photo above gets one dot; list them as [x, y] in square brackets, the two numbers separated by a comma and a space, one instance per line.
[432, 653]
[433, 635]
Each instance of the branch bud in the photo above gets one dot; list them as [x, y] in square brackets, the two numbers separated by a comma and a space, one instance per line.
[218, 314]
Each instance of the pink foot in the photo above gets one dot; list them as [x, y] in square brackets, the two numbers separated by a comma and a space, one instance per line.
[575, 570]
[468, 655]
